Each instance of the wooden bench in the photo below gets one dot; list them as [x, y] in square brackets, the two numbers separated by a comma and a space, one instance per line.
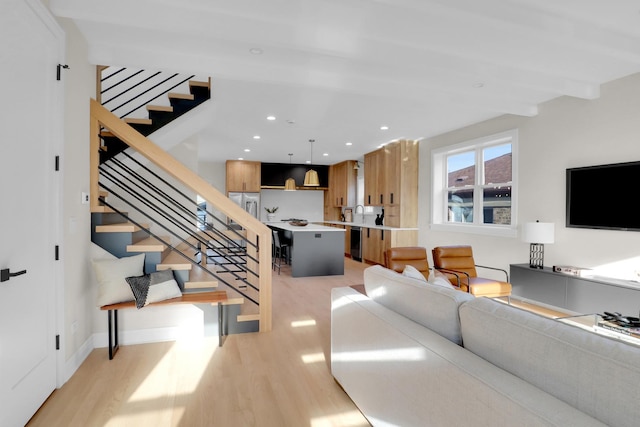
[209, 297]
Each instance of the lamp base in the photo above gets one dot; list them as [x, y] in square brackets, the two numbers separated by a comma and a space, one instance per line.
[536, 255]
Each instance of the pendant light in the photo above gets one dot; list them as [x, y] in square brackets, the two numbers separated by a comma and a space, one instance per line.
[311, 177]
[290, 183]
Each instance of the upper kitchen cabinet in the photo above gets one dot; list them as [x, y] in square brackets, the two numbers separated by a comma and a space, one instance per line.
[373, 180]
[243, 176]
[391, 181]
[343, 183]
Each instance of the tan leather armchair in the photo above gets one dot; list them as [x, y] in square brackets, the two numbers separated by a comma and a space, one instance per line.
[397, 258]
[457, 263]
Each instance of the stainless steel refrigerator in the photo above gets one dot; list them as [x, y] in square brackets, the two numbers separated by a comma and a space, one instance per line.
[250, 202]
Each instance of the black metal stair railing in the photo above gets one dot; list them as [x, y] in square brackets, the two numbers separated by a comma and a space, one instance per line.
[124, 91]
[162, 203]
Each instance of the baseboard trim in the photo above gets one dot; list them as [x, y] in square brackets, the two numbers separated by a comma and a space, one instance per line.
[72, 364]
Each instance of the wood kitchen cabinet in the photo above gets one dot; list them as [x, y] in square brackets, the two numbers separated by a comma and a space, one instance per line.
[373, 181]
[376, 241]
[373, 245]
[342, 184]
[391, 181]
[243, 176]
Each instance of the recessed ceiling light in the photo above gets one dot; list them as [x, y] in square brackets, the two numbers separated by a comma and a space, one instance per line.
[384, 127]
[256, 136]
[349, 143]
[325, 154]
[246, 150]
[271, 118]
[240, 158]
[255, 51]
[308, 162]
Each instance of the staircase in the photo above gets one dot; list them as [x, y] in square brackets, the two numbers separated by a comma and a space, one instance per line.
[143, 201]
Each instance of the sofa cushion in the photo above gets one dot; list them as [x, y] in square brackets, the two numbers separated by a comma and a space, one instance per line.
[400, 373]
[432, 306]
[596, 374]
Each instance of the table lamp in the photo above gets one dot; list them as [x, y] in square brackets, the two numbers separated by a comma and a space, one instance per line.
[537, 234]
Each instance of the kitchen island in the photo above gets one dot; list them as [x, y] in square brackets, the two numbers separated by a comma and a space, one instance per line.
[316, 250]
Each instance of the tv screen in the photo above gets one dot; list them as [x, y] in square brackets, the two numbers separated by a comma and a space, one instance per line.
[603, 196]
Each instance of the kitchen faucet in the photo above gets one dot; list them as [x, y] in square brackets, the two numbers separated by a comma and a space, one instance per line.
[356, 211]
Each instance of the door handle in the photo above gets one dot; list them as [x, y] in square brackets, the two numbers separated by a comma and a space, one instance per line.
[6, 275]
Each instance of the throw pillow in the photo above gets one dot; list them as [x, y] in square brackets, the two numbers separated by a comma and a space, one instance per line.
[414, 273]
[154, 287]
[162, 286]
[140, 288]
[440, 279]
[111, 275]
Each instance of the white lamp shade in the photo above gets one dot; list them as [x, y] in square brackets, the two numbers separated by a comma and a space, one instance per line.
[538, 232]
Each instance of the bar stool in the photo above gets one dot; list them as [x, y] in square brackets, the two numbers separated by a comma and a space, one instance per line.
[279, 250]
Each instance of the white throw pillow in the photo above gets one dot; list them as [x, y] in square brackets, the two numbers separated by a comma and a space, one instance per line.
[111, 275]
[414, 273]
[441, 281]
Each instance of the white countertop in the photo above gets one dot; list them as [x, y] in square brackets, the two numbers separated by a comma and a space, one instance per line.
[284, 225]
[379, 227]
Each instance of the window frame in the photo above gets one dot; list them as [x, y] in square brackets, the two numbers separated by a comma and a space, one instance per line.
[439, 186]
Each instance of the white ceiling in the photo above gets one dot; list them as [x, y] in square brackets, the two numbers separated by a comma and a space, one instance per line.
[340, 69]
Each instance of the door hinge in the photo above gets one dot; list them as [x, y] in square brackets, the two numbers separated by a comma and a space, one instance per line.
[57, 163]
[59, 68]
[57, 253]
[57, 342]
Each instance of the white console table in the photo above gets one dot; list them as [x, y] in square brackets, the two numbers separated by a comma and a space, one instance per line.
[579, 294]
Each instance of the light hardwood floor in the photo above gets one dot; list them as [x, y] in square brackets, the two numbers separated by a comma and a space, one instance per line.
[279, 378]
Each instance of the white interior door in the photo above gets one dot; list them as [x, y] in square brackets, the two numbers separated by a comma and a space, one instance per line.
[28, 218]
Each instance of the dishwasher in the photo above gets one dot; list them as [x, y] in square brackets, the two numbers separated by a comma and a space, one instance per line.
[356, 243]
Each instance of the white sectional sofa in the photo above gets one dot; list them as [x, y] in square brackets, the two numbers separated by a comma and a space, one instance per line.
[414, 354]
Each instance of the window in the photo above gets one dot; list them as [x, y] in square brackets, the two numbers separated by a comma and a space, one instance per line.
[474, 186]
[201, 213]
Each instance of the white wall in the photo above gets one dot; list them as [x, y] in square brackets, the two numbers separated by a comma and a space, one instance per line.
[302, 204]
[567, 132]
[79, 299]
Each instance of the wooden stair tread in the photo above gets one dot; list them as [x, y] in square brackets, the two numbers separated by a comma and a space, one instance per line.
[174, 261]
[138, 121]
[187, 96]
[198, 83]
[248, 317]
[150, 244]
[212, 297]
[234, 301]
[123, 227]
[201, 284]
[165, 108]
[102, 209]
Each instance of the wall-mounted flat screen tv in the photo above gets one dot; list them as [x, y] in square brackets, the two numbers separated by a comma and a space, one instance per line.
[604, 196]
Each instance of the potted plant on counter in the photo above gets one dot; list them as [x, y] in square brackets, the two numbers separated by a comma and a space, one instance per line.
[271, 213]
